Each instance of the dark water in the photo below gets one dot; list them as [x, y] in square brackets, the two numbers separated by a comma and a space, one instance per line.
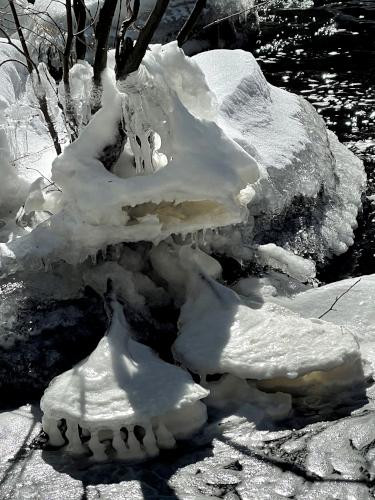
[326, 53]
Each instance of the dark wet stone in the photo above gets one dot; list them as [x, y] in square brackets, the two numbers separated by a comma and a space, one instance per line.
[39, 340]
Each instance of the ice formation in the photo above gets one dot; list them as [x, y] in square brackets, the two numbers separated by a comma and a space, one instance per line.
[218, 334]
[224, 156]
[122, 401]
[199, 157]
[188, 174]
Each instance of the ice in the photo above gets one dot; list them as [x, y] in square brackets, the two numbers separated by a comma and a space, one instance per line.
[348, 303]
[199, 187]
[219, 334]
[30, 145]
[291, 264]
[120, 387]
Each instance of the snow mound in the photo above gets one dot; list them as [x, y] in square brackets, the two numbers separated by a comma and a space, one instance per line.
[306, 174]
[219, 334]
[122, 393]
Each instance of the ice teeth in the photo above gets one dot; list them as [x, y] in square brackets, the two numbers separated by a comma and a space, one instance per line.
[50, 426]
[149, 442]
[134, 445]
[97, 448]
[119, 445]
[164, 438]
[74, 445]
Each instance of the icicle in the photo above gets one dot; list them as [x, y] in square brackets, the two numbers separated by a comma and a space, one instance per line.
[119, 445]
[164, 438]
[50, 426]
[97, 448]
[74, 445]
[149, 441]
[135, 450]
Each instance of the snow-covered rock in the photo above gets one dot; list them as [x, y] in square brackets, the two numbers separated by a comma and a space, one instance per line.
[188, 167]
[310, 188]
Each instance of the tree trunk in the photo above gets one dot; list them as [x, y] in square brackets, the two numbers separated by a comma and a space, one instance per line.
[80, 15]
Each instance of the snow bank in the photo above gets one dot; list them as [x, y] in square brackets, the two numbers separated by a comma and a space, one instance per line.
[127, 401]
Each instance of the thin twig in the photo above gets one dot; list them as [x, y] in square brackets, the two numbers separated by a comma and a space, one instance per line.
[338, 298]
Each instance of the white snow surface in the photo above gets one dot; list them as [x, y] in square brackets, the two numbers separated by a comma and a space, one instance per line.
[121, 382]
[29, 143]
[196, 177]
[348, 303]
[279, 258]
[219, 334]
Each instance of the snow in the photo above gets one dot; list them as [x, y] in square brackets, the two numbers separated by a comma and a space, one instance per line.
[219, 334]
[122, 384]
[243, 395]
[30, 146]
[199, 157]
[200, 187]
[353, 310]
[296, 155]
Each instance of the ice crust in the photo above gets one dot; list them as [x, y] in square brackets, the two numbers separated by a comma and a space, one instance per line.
[120, 385]
[219, 334]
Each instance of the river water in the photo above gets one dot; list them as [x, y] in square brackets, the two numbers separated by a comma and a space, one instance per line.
[326, 53]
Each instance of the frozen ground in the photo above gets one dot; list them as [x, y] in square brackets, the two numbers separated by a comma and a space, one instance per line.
[232, 460]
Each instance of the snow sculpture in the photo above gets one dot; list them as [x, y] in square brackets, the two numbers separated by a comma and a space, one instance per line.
[266, 344]
[122, 401]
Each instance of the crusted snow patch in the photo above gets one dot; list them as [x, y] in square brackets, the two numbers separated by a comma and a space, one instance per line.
[219, 334]
[120, 387]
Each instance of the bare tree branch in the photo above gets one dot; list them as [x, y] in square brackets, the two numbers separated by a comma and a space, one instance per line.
[13, 60]
[128, 55]
[338, 298]
[101, 34]
[80, 15]
[190, 22]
